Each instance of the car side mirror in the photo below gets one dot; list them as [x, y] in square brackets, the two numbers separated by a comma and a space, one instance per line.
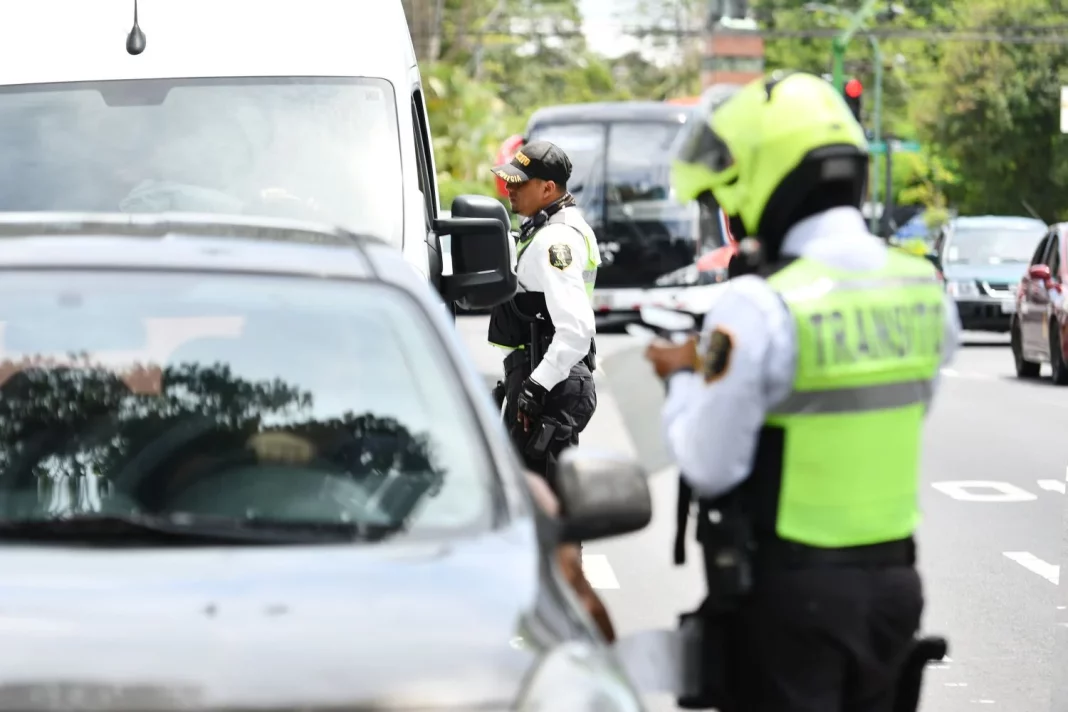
[934, 259]
[483, 271]
[601, 495]
[1039, 273]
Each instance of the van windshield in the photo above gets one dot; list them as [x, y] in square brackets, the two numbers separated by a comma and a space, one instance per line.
[296, 147]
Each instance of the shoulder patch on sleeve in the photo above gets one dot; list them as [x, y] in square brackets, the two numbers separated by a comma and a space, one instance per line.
[716, 360]
[560, 256]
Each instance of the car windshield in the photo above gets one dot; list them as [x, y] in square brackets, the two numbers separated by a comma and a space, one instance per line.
[234, 398]
[306, 148]
[991, 246]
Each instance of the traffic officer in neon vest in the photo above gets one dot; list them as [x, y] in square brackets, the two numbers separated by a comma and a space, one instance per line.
[802, 404]
[547, 330]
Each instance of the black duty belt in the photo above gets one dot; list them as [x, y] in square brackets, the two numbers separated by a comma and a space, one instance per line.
[791, 555]
[520, 358]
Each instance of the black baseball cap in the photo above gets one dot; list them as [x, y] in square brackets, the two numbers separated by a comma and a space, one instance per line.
[537, 159]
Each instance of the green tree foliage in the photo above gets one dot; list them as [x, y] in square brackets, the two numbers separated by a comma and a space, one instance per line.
[986, 113]
[994, 113]
[502, 59]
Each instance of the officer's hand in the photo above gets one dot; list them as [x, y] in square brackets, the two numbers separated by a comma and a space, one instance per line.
[667, 357]
[531, 403]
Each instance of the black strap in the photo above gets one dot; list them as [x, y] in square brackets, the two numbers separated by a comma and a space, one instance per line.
[682, 518]
[781, 554]
[520, 358]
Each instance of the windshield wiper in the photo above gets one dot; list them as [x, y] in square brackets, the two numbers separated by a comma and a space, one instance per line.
[188, 530]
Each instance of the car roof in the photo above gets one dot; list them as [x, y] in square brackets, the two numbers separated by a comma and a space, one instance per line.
[183, 241]
[48, 41]
[609, 111]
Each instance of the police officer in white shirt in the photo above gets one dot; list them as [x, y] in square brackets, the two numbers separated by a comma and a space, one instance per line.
[548, 327]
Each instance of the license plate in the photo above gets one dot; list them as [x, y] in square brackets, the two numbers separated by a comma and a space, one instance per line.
[1008, 307]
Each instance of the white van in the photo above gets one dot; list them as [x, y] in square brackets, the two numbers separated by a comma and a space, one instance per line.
[311, 110]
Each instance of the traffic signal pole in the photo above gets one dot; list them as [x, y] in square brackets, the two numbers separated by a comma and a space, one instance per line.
[838, 48]
[839, 44]
[877, 133]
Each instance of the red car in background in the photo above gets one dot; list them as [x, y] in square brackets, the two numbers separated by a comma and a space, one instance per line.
[1039, 328]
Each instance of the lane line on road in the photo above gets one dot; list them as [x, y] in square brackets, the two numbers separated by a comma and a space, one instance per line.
[1052, 485]
[1048, 571]
[976, 376]
[599, 572]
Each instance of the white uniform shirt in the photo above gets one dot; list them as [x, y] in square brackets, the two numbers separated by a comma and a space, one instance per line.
[712, 429]
[569, 307]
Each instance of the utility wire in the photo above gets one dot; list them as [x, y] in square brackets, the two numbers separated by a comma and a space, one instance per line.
[1011, 36]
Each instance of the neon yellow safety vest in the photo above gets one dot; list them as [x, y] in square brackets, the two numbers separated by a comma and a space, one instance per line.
[869, 348]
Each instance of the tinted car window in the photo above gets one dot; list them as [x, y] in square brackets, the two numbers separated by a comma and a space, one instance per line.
[283, 398]
[584, 144]
[324, 150]
[639, 167]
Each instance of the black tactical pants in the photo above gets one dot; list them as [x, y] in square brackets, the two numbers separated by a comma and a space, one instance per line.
[571, 402]
[824, 640]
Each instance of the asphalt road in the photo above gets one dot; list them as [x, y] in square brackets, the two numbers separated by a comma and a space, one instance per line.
[995, 471]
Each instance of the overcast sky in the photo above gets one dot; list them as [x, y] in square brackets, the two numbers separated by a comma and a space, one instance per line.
[601, 24]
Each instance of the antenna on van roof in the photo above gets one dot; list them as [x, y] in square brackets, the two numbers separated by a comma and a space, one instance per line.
[1031, 210]
[135, 41]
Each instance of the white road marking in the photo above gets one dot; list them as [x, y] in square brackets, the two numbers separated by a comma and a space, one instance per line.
[1052, 485]
[1048, 571]
[1002, 491]
[599, 572]
[953, 373]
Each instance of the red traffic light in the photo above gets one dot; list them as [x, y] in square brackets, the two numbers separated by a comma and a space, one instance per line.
[853, 88]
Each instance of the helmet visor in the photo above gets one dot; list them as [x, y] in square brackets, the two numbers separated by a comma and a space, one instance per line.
[703, 147]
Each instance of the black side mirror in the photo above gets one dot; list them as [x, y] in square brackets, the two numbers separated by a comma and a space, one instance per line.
[601, 495]
[483, 270]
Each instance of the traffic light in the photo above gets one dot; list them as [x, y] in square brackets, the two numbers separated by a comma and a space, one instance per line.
[853, 91]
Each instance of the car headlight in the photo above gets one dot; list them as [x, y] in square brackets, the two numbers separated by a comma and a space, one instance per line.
[959, 288]
[575, 678]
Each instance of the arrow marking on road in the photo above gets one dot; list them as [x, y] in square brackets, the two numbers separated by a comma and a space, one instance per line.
[1048, 571]
[1052, 485]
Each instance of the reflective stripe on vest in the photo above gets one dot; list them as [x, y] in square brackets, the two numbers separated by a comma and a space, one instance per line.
[868, 352]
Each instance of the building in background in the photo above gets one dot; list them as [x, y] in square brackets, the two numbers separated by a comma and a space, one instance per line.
[733, 47]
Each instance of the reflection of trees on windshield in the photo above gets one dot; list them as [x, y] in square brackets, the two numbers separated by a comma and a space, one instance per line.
[65, 432]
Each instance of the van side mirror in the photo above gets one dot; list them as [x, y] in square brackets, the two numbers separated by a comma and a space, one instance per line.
[483, 271]
[601, 495]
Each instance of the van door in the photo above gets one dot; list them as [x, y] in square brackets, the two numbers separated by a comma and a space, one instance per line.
[424, 158]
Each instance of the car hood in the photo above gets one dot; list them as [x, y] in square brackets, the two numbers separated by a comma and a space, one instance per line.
[368, 628]
[1010, 272]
